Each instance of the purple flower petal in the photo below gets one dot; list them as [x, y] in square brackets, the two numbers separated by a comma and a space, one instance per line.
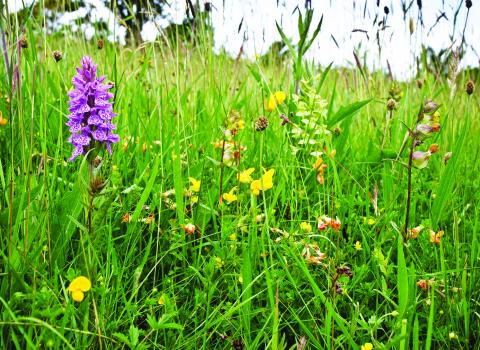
[90, 109]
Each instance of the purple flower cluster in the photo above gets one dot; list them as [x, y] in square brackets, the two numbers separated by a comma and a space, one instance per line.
[91, 113]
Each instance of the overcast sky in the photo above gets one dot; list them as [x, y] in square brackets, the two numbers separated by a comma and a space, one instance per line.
[340, 17]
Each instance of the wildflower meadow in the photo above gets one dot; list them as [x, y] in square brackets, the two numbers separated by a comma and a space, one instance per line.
[167, 195]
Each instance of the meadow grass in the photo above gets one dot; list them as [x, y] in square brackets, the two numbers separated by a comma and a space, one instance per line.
[240, 280]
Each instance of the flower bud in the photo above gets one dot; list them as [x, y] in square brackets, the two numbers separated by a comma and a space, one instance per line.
[411, 26]
[470, 87]
[430, 107]
[434, 148]
[468, 4]
[420, 159]
[189, 229]
[447, 157]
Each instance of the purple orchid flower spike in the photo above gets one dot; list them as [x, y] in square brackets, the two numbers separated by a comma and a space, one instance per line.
[91, 112]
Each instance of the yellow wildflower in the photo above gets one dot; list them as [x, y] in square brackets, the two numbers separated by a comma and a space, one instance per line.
[317, 163]
[371, 222]
[245, 176]
[3, 121]
[436, 237]
[306, 227]
[219, 263]
[240, 124]
[367, 346]
[263, 184]
[195, 184]
[358, 245]
[78, 287]
[230, 196]
[274, 100]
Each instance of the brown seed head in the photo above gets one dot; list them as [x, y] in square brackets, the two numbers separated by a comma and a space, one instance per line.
[420, 83]
[100, 44]
[470, 87]
[23, 42]
[391, 104]
[57, 55]
[261, 124]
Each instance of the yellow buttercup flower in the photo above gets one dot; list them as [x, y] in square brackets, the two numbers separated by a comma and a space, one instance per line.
[274, 100]
[230, 196]
[245, 176]
[371, 222]
[78, 287]
[358, 245]
[367, 346]
[263, 184]
[195, 184]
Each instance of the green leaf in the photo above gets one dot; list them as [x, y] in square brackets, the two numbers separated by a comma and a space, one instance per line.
[315, 33]
[444, 189]
[347, 112]
[286, 41]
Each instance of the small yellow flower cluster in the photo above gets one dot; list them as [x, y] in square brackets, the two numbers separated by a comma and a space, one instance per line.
[78, 287]
[367, 346]
[263, 184]
[306, 227]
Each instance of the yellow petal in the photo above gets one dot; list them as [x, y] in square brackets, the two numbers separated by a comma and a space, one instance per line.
[245, 176]
[270, 104]
[230, 196]
[78, 295]
[195, 187]
[255, 187]
[280, 97]
[267, 178]
[81, 283]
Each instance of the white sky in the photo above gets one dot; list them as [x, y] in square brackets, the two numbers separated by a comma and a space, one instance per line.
[340, 18]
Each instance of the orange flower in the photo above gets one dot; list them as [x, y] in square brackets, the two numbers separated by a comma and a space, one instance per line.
[422, 284]
[126, 218]
[436, 237]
